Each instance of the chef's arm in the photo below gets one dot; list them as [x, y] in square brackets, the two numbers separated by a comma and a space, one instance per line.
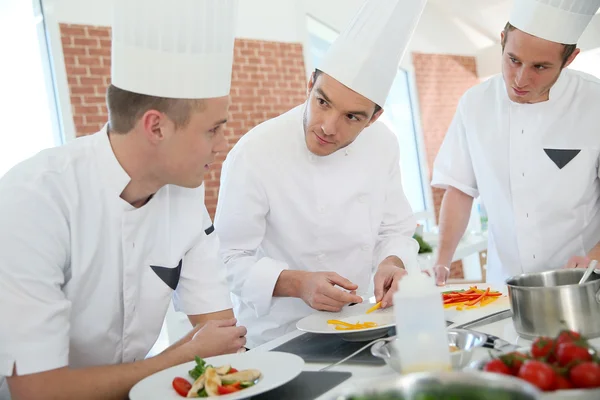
[454, 218]
[201, 319]
[241, 224]
[102, 383]
[395, 243]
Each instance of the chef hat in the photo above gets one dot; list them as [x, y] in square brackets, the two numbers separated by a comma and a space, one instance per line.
[365, 57]
[561, 21]
[179, 49]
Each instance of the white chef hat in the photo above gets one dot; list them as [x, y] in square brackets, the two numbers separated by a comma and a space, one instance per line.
[365, 57]
[561, 21]
[174, 48]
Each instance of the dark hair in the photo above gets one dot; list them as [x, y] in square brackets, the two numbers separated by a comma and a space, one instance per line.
[568, 49]
[125, 108]
[319, 72]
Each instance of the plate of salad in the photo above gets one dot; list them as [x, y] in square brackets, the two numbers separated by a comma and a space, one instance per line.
[231, 376]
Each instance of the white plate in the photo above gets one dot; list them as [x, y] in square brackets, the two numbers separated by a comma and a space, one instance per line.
[276, 368]
[317, 322]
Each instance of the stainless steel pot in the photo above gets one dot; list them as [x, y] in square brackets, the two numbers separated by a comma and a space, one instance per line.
[472, 385]
[545, 303]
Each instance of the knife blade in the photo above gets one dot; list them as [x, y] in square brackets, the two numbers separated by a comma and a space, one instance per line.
[488, 319]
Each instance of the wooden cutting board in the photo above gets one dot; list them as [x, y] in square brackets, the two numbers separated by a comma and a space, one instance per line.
[470, 314]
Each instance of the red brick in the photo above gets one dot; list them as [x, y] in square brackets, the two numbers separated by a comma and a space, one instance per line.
[93, 99]
[100, 71]
[72, 30]
[89, 42]
[75, 51]
[91, 80]
[86, 110]
[87, 60]
[105, 43]
[98, 32]
[102, 51]
[71, 71]
[83, 89]
[70, 60]
[91, 119]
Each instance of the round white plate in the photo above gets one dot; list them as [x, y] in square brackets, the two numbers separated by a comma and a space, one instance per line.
[276, 368]
[317, 322]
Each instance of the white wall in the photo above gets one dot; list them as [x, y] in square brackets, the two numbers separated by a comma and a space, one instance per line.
[435, 33]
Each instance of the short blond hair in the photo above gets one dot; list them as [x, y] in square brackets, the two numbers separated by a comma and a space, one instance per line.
[125, 108]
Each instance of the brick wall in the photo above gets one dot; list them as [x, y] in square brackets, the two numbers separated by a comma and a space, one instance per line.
[268, 79]
[87, 61]
[441, 81]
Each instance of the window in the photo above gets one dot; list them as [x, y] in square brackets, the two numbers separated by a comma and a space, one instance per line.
[30, 118]
[398, 115]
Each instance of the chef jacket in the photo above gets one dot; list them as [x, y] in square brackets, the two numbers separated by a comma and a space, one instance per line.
[281, 207]
[535, 167]
[86, 278]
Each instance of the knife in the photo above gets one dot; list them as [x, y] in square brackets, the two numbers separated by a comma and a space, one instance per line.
[488, 319]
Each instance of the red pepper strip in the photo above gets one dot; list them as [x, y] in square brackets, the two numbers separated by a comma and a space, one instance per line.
[469, 297]
[234, 387]
[471, 303]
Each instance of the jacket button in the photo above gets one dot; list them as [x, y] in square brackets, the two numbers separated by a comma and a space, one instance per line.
[365, 247]
[321, 257]
[362, 199]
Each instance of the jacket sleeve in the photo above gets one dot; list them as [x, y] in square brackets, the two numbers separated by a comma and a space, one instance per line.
[202, 287]
[453, 165]
[34, 252]
[240, 222]
[395, 235]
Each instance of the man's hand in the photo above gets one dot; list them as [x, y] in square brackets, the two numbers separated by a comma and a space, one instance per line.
[318, 290]
[578, 262]
[216, 337]
[389, 272]
[441, 273]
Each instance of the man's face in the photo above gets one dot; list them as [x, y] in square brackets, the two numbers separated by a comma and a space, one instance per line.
[531, 66]
[334, 116]
[187, 152]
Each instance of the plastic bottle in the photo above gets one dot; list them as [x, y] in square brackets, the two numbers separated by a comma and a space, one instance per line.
[421, 337]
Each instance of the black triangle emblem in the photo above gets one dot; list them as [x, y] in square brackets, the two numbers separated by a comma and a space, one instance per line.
[170, 276]
[561, 157]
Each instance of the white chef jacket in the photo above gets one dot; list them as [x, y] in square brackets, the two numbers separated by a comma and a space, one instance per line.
[281, 207]
[535, 167]
[85, 278]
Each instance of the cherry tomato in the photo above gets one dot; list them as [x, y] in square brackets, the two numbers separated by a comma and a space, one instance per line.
[496, 365]
[562, 383]
[181, 386]
[539, 374]
[232, 370]
[227, 389]
[585, 375]
[514, 361]
[542, 347]
[567, 337]
[569, 352]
